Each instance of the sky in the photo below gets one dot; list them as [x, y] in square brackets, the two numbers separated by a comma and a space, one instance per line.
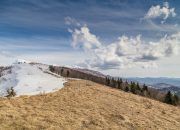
[128, 38]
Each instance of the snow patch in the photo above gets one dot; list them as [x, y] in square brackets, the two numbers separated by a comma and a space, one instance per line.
[28, 79]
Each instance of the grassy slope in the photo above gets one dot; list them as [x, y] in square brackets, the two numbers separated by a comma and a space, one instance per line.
[86, 105]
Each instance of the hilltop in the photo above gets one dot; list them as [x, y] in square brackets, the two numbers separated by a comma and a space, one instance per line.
[84, 104]
[56, 97]
[29, 79]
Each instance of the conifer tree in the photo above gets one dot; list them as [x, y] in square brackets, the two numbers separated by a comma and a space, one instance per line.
[113, 82]
[138, 87]
[176, 100]
[119, 82]
[126, 89]
[133, 87]
[62, 71]
[126, 84]
[51, 68]
[107, 81]
[67, 73]
[168, 98]
[145, 88]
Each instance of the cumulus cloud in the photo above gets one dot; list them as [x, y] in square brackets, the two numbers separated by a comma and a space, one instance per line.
[163, 12]
[82, 37]
[125, 52]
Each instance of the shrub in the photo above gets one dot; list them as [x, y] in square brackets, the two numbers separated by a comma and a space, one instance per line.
[51, 68]
[11, 92]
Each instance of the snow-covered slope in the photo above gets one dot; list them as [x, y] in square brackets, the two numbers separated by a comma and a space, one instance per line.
[29, 79]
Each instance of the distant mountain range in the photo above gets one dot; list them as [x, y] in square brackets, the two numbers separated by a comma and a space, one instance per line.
[152, 81]
[162, 84]
[166, 87]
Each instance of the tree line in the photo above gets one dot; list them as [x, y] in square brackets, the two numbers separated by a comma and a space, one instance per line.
[135, 88]
[132, 87]
[119, 83]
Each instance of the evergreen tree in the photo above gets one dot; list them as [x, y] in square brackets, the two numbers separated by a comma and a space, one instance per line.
[119, 82]
[126, 84]
[62, 71]
[67, 73]
[133, 87]
[168, 98]
[176, 100]
[113, 82]
[145, 88]
[126, 89]
[138, 87]
[51, 68]
[107, 81]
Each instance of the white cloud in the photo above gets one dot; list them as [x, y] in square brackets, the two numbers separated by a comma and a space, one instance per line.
[163, 12]
[126, 51]
[71, 21]
[49, 50]
[84, 38]
[6, 58]
[6, 54]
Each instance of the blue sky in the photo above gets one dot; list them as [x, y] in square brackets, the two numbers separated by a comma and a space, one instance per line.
[46, 30]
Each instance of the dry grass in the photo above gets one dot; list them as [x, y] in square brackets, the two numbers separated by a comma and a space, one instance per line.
[82, 105]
